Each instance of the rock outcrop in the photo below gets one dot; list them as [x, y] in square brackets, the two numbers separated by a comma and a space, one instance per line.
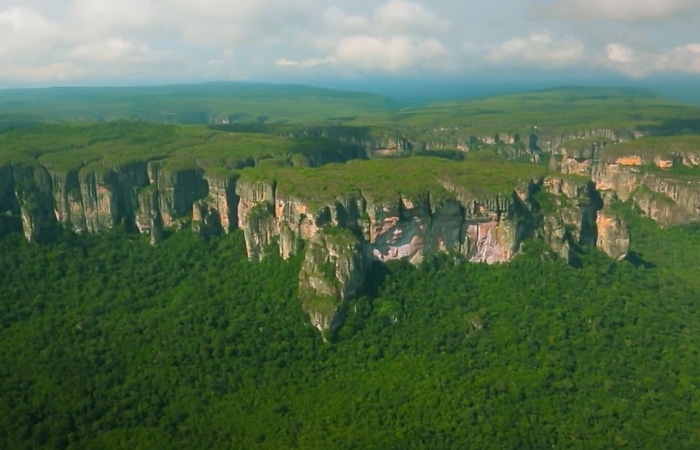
[333, 271]
[576, 213]
[33, 200]
[350, 233]
[664, 184]
[345, 233]
[143, 196]
[661, 176]
[342, 237]
[666, 200]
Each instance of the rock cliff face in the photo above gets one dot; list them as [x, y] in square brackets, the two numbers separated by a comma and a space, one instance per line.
[613, 234]
[143, 196]
[9, 206]
[669, 200]
[530, 142]
[333, 271]
[662, 183]
[347, 235]
[32, 194]
[344, 236]
[578, 214]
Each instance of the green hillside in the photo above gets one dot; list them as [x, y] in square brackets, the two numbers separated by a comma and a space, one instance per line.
[192, 104]
[561, 109]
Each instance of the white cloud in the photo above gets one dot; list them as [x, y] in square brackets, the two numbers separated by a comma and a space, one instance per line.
[541, 49]
[396, 36]
[402, 17]
[683, 59]
[108, 16]
[113, 50]
[95, 40]
[395, 17]
[200, 23]
[618, 10]
[338, 20]
[108, 38]
[618, 53]
[640, 63]
[311, 62]
[372, 54]
[394, 54]
[24, 31]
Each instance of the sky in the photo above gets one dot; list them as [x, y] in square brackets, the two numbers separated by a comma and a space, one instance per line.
[73, 42]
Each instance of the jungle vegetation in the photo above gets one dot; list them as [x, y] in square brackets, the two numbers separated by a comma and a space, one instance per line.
[108, 342]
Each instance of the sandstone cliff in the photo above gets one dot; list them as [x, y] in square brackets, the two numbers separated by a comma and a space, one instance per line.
[578, 214]
[333, 271]
[345, 234]
[345, 226]
[659, 175]
[142, 196]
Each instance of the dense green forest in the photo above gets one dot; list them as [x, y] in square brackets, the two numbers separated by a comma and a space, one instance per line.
[108, 342]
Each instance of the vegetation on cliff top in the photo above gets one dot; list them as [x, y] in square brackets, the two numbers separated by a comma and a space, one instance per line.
[555, 110]
[69, 147]
[650, 147]
[386, 179]
[224, 148]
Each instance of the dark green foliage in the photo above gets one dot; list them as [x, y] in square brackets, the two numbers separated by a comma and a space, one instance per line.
[385, 179]
[100, 148]
[107, 342]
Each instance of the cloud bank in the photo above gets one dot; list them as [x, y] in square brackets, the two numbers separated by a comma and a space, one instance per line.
[618, 10]
[126, 41]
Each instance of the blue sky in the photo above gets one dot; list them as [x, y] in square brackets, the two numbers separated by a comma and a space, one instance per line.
[54, 42]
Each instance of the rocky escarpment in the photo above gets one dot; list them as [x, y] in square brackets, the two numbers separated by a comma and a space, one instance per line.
[142, 196]
[659, 175]
[347, 225]
[30, 197]
[9, 206]
[576, 213]
[574, 146]
[145, 195]
[333, 271]
[343, 234]
[659, 186]
[346, 235]
[375, 142]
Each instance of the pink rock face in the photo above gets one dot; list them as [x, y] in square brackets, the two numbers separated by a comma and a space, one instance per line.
[489, 242]
[297, 216]
[392, 237]
[399, 246]
[396, 240]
